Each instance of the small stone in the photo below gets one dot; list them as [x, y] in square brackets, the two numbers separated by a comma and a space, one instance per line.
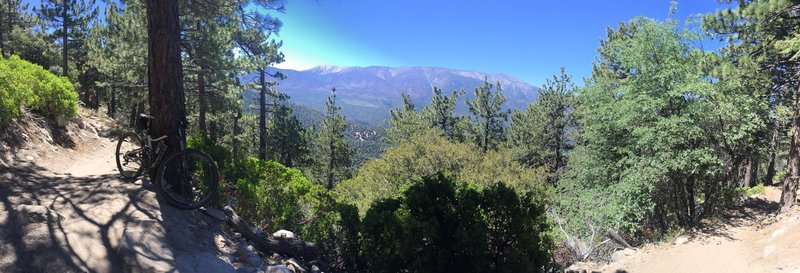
[778, 232]
[620, 255]
[30, 158]
[79, 121]
[277, 269]
[92, 130]
[60, 121]
[284, 233]
[295, 266]
[681, 240]
[215, 214]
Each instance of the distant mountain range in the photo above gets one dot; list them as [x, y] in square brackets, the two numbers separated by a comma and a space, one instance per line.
[366, 94]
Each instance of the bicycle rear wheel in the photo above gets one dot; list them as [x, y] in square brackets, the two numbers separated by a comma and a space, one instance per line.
[190, 187]
[130, 156]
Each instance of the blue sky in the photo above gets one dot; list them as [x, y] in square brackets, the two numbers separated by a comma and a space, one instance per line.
[529, 39]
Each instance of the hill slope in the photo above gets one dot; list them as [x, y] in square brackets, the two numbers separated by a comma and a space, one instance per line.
[367, 94]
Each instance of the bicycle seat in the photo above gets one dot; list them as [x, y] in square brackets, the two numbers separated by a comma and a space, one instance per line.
[143, 115]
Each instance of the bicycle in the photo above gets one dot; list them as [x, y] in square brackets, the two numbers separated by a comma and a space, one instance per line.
[187, 178]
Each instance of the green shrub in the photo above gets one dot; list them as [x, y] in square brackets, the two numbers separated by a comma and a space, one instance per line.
[441, 226]
[218, 153]
[23, 84]
[275, 197]
[757, 189]
[430, 153]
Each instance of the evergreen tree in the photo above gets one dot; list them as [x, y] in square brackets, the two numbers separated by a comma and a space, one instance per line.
[288, 139]
[541, 132]
[764, 34]
[487, 108]
[210, 63]
[69, 20]
[332, 152]
[253, 38]
[27, 37]
[164, 71]
[405, 122]
[441, 114]
[10, 18]
[118, 50]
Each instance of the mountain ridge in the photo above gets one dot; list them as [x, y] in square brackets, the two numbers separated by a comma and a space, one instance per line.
[367, 94]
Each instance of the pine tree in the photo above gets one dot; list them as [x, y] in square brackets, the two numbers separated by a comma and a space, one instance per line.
[332, 153]
[210, 64]
[165, 73]
[253, 38]
[487, 108]
[765, 34]
[10, 19]
[69, 20]
[288, 139]
[541, 132]
[405, 122]
[441, 113]
[118, 50]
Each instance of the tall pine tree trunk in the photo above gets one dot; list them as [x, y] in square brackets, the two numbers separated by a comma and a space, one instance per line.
[751, 171]
[262, 118]
[164, 73]
[64, 39]
[234, 143]
[202, 101]
[2, 40]
[332, 157]
[112, 104]
[770, 176]
[789, 192]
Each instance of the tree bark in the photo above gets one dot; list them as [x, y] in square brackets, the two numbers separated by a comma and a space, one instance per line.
[262, 120]
[268, 244]
[770, 176]
[64, 39]
[789, 192]
[751, 172]
[164, 73]
[2, 40]
[234, 143]
[201, 98]
[112, 104]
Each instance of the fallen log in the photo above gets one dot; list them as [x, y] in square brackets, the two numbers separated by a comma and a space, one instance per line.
[267, 244]
[613, 235]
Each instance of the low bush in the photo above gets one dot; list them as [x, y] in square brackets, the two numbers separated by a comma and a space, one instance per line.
[23, 84]
[438, 225]
[218, 153]
[275, 197]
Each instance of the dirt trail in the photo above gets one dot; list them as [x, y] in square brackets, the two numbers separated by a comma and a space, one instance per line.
[752, 240]
[66, 210]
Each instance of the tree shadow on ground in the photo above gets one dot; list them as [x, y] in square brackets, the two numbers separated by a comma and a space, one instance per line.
[750, 211]
[82, 210]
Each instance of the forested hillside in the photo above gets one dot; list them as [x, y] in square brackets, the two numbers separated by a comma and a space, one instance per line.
[662, 138]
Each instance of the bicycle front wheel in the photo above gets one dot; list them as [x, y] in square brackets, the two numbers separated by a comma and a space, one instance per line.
[190, 185]
[130, 156]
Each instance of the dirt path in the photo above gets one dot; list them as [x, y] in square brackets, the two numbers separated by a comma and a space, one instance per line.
[753, 240]
[67, 211]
